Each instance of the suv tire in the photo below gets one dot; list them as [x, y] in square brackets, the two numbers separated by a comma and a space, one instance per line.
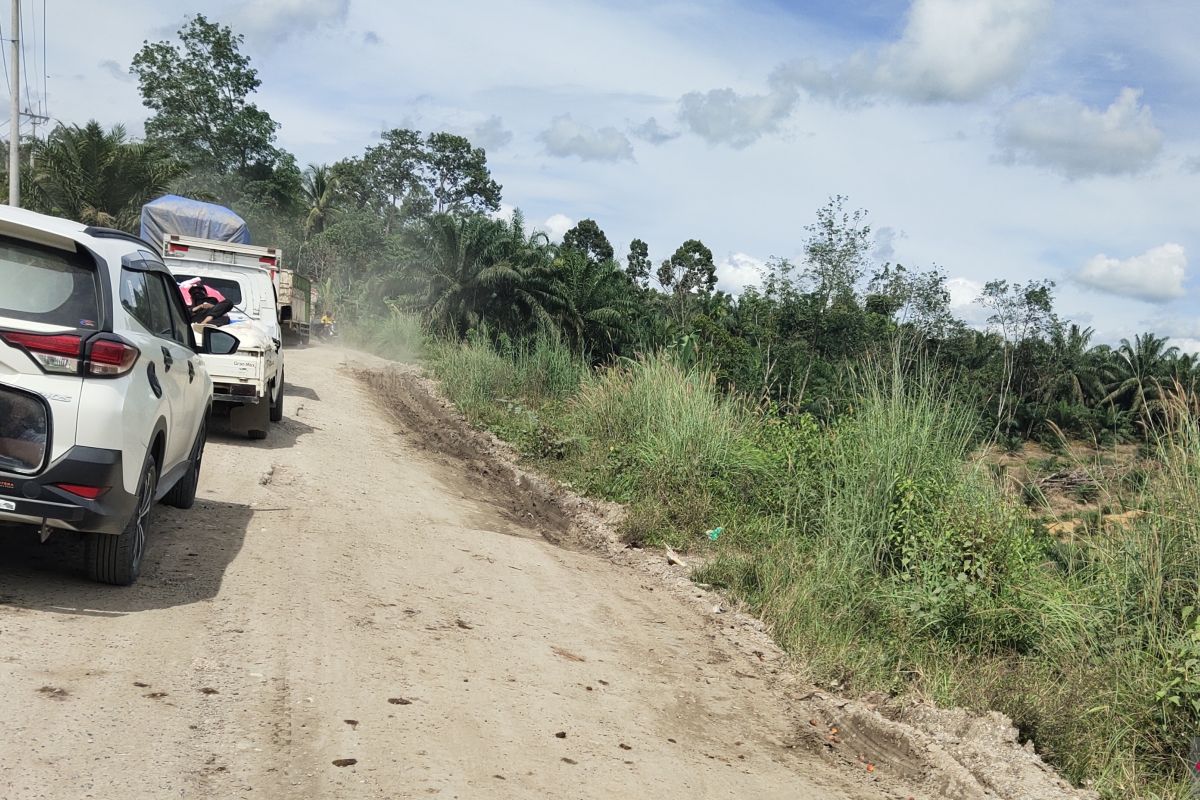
[118, 559]
[183, 493]
[277, 405]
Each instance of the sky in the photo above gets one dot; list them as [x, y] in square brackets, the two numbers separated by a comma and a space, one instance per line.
[1012, 139]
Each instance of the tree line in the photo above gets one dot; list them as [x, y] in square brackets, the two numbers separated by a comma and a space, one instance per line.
[411, 224]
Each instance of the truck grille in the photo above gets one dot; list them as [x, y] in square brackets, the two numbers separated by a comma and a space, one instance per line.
[24, 431]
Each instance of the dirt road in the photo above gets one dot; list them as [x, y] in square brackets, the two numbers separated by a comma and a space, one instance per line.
[341, 594]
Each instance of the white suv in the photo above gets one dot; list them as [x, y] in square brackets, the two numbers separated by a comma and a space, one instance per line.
[103, 395]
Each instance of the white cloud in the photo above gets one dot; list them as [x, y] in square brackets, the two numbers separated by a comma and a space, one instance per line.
[491, 134]
[650, 131]
[277, 20]
[1187, 345]
[950, 51]
[722, 116]
[1176, 327]
[565, 137]
[964, 301]
[557, 225]
[1192, 164]
[1066, 136]
[503, 213]
[739, 271]
[1155, 276]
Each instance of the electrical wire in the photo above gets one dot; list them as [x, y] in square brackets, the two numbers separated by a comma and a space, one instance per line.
[24, 62]
[45, 70]
[4, 61]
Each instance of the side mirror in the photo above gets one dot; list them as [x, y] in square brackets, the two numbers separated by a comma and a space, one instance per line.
[217, 342]
[285, 314]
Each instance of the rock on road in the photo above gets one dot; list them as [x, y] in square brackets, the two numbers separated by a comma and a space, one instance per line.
[335, 595]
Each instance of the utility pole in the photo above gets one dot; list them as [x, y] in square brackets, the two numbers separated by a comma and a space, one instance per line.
[14, 119]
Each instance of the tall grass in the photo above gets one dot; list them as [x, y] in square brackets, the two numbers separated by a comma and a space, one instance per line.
[662, 437]
[397, 335]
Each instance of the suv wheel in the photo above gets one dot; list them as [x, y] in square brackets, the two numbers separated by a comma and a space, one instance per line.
[277, 405]
[183, 493]
[118, 559]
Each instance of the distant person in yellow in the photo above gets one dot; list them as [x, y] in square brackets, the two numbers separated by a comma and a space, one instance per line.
[328, 325]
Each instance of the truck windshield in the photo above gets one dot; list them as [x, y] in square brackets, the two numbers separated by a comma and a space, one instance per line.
[230, 289]
[44, 284]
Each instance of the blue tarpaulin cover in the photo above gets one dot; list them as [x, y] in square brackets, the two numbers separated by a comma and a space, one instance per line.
[186, 217]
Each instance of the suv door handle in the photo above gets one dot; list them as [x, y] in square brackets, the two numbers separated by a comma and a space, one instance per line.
[168, 359]
[191, 371]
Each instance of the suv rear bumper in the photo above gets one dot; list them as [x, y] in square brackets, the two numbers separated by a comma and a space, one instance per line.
[37, 501]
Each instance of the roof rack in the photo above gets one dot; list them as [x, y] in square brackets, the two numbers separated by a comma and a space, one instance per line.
[113, 233]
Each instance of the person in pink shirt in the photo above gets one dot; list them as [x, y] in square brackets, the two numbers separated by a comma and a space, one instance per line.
[206, 304]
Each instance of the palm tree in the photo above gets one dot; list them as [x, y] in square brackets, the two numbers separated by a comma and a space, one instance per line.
[319, 187]
[597, 305]
[99, 177]
[1144, 364]
[1080, 372]
[475, 271]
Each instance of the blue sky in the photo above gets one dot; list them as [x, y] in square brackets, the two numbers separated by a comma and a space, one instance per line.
[1009, 139]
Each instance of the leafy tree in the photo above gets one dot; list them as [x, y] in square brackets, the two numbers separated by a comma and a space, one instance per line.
[99, 177]
[637, 265]
[1019, 312]
[837, 251]
[457, 175]
[919, 299]
[198, 92]
[393, 180]
[689, 269]
[588, 239]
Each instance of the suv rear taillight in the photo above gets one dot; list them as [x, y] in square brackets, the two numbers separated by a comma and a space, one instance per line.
[108, 358]
[54, 353]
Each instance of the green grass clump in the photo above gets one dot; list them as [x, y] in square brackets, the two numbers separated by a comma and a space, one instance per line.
[661, 437]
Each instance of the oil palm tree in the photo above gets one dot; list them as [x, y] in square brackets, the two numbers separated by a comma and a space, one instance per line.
[319, 187]
[99, 177]
[1080, 372]
[474, 271]
[1144, 364]
[596, 309]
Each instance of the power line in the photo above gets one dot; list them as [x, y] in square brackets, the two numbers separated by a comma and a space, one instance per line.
[4, 60]
[45, 69]
[24, 62]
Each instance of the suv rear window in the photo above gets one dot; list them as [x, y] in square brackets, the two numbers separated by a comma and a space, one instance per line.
[231, 290]
[47, 285]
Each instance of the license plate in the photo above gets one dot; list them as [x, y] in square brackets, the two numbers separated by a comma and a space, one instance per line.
[7, 505]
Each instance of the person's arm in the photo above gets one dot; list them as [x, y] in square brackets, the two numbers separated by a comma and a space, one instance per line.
[217, 310]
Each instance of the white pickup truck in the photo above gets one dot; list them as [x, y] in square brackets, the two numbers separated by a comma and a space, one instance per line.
[250, 380]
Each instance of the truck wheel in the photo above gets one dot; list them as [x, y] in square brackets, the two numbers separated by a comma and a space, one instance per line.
[262, 417]
[183, 493]
[277, 405]
[118, 559]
